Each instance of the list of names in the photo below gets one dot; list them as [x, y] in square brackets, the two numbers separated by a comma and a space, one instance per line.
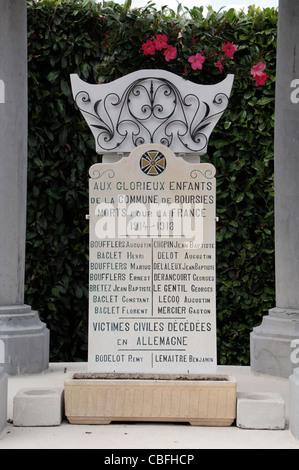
[152, 264]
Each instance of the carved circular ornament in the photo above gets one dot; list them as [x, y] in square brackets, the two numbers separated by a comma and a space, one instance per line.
[153, 162]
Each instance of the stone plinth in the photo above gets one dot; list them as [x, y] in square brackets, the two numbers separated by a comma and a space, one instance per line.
[270, 343]
[38, 407]
[198, 400]
[25, 339]
[3, 399]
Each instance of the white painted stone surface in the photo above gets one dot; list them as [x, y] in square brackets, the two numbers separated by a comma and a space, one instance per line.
[260, 410]
[151, 106]
[139, 320]
[3, 399]
[294, 403]
[152, 303]
[38, 407]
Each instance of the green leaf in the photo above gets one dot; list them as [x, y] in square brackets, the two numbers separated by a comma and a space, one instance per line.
[52, 76]
[239, 197]
[65, 87]
[265, 100]
[63, 136]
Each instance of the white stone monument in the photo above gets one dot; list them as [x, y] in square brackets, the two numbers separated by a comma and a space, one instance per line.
[152, 306]
[152, 264]
[272, 342]
[25, 337]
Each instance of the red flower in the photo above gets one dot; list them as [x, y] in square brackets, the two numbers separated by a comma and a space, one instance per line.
[170, 53]
[196, 61]
[261, 79]
[160, 42]
[219, 65]
[229, 49]
[148, 47]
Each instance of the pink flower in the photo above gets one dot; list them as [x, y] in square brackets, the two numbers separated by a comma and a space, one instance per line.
[160, 42]
[257, 70]
[170, 53]
[148, 47]
[261, 79]
[196, 61]
[219, 65]
[229, 49]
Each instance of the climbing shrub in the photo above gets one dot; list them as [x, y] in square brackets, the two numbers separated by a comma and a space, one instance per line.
[102, 42]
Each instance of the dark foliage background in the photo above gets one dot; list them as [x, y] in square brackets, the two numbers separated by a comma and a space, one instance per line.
[102, 42]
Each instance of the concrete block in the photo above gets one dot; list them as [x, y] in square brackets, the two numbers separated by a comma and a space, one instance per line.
[294, 403]
[38, 407]
[3, 399]
[260, 410]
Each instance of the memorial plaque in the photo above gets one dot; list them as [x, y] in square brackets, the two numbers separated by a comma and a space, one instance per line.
[152, 268]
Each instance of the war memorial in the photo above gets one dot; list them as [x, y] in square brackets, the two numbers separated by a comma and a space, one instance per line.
[152, 352]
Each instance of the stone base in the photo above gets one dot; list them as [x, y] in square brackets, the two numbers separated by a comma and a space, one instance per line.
[24, 340]
[3, 400]
[38, 407]
[260, 410]
[294, 403]
[198, 400]
[270, 343]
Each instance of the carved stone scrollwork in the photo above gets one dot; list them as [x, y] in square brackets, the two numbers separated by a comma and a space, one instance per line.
[151, 106]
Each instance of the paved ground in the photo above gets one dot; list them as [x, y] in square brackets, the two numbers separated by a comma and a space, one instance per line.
[127, 436]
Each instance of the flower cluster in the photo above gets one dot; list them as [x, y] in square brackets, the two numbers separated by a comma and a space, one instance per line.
[196, 61]
[228, 49]
[159, 43]
[257, 71]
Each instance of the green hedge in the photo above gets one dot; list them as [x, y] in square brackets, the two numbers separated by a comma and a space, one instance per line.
[103, 42]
